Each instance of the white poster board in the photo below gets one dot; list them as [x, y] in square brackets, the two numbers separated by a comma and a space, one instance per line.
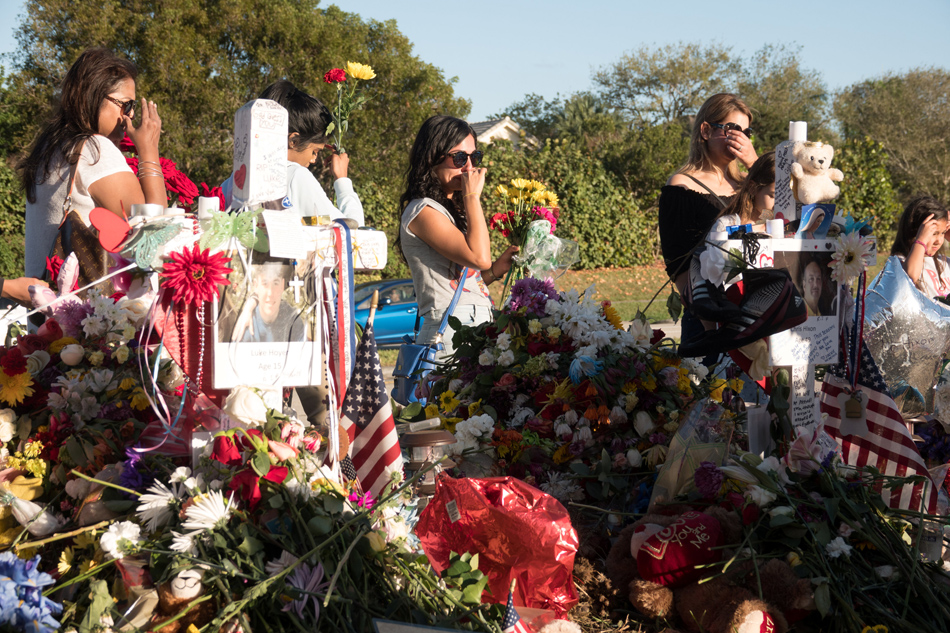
[260, 153]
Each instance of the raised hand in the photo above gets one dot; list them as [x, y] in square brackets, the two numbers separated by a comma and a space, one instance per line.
[146, 135]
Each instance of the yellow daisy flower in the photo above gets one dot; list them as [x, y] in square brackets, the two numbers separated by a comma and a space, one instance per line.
[432, 411]
[127, 384]
[85, 539]
[475, 407]
[15, 389]
[448, 401]
[501, 191]
[139, 400]
[65, 561]
[449, 424]
[520, 183]
[613, 317]
[86, 566]
[359, 71]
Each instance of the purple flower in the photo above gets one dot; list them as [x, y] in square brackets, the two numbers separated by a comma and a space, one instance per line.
[69, 315]
[708, 479]
[532, 295]
[308, 580]
[362, 501]
[658, 438]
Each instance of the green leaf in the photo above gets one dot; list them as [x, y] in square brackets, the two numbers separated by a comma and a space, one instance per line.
[260, 463]
[472, 594]
[74, 448]
[276, 502]
[823, 598]
[320, 525]
[674, 305]
[219, 541]
[101, 600]
[332, 504]
[330, 128]
[780, 520]
[119, 506]
[250, 546]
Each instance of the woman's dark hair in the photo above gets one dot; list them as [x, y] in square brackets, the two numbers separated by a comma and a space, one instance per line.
[88, 82]
[436, 137]
[915, 214]
[761, 174]
[307, 116]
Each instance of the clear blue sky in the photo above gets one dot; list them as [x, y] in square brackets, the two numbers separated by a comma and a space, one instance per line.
[501, 51]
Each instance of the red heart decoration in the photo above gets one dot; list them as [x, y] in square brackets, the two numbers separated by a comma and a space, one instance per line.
[113, 229]
[672, 556]
[239, 176]
[766, 261]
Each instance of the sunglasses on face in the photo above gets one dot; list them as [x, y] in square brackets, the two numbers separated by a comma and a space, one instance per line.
[459, 158]
[128, 107]
[732, 127]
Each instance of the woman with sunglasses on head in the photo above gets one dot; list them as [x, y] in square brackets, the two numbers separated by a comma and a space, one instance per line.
[307, 123]
[705, 185]
[76, 153]
[443, 230]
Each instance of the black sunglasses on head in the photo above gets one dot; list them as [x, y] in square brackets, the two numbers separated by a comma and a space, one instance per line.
[459, 158]
[732, 127]
[128, 107]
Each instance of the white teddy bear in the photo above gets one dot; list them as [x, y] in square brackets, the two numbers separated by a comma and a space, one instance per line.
[812, 174]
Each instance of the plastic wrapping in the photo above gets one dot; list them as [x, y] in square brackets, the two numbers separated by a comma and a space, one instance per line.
[908, 334]
[517, 531]
[545, 256]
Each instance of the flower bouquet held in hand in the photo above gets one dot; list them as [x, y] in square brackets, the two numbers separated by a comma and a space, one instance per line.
[348, 99]
[529, 222]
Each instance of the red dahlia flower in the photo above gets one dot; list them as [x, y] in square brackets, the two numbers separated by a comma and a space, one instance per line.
[195, 274]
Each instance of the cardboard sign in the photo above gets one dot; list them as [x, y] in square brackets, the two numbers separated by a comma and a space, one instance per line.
[260, 153]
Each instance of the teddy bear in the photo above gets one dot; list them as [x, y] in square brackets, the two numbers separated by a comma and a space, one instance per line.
[813, 177]
[661, 560]
[175, 595]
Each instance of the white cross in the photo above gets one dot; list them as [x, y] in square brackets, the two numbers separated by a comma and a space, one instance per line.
[296, 284]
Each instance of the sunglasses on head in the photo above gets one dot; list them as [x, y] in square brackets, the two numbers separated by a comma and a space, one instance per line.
[128, 107]
[459, 158]
[732, 127]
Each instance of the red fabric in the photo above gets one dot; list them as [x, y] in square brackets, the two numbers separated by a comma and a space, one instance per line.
[670, 557]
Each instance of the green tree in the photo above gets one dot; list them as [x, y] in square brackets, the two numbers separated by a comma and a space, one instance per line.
[867, 191]
[535, 114]
[909, 114]
[778, 90]
[201, 61]
[658, 85]
[12, 223]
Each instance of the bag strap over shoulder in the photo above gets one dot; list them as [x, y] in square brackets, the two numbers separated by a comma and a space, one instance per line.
[67, 202]
[722, 204]
[455, 300]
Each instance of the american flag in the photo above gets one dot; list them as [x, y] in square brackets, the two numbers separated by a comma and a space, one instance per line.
[367, 418]
[888, 445]
[512, 622]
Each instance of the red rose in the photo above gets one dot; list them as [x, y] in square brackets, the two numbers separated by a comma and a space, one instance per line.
[30, 343]
[133, 163]
[225, 451]
[13, 361]
[335, 76]
[126, 145]
[50, 331]
[658, 335]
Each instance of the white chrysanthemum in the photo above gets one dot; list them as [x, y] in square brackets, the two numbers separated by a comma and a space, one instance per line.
[848, 260]
[157, 506]
[562, 487]
[120, 539]
[184, 543]
[837, 547]
[209, 511]
[506, 358]
[278, 565]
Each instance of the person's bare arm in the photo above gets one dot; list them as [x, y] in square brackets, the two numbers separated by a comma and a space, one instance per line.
[914, 262]
[471, 248]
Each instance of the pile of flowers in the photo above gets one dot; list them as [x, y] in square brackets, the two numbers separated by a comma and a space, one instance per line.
[555, 381]
[872, 567]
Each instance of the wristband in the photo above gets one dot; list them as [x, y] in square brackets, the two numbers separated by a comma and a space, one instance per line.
[921, 243]
[471, 193]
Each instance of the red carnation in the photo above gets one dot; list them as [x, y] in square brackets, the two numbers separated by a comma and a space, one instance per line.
[13, 362]
[195, 274]
[335, 76]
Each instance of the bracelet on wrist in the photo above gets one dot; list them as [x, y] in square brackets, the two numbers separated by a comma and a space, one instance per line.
[921, 243]
[470, 193]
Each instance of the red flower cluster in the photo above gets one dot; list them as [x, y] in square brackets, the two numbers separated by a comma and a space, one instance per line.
[12, 361]
[178, 182]
[335, 76]
[195, 274]
[502, 221]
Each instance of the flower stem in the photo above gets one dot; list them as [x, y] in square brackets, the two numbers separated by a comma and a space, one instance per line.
[61, 535]
[105, 483]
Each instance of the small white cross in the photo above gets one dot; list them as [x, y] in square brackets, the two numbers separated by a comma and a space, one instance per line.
[296, 284]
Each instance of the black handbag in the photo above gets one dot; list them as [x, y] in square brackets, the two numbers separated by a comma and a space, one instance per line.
[416, 360]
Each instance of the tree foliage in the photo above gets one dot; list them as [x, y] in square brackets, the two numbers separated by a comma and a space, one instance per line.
[909, 114]
[868, 192]
[596, 211]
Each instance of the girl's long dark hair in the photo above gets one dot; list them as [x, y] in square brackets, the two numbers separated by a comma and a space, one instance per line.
[436, 137]
[308, 117]
[761, 174]
[915, 213]
[88, 82]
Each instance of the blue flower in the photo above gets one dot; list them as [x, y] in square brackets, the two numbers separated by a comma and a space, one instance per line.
[22, 604]
[584, 366]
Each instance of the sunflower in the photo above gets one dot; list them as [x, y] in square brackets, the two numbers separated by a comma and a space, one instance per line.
[195, 274]
[15, 389]
[359, 71]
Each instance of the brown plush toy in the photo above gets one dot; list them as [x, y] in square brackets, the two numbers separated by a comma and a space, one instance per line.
[174, 596]
[659, 559]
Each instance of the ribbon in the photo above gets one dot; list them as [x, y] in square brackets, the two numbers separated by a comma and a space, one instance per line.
[852, 357]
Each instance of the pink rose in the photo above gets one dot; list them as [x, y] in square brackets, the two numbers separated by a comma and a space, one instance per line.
[281, 451]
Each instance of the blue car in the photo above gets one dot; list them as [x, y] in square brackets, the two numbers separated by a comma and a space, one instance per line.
[395, 314]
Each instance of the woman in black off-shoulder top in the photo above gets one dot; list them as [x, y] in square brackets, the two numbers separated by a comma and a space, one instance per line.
[703, 186]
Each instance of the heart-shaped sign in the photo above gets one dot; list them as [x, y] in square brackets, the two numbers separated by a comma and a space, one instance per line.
[240, 176]
[113, 229]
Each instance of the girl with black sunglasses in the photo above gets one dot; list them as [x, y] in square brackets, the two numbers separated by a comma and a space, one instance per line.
[76, 154]
[442, 227]
[702, 188]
